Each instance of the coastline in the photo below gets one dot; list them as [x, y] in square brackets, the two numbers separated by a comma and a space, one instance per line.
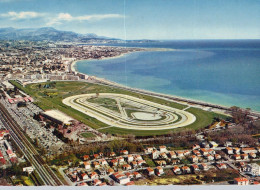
[73, 65]
[183, 100]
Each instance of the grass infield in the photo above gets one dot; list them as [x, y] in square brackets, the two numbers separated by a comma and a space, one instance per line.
[51, 98]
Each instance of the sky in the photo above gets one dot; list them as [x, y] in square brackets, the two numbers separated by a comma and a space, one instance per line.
[139, 19]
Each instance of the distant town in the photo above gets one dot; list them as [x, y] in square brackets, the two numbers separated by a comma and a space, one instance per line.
[95, 139]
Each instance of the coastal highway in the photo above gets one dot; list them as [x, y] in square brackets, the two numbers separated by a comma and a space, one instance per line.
[47, 176]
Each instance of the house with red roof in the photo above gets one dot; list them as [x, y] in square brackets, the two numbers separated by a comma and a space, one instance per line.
[138, 157]
[159, 171]
[101, 154]
[137, 175]
[174, 162]
[120, 160]
[252, 155]
[196, 152]
[204, 151]
[111, 154]
[195, 167]
[96, 182]
[176, 170]
[204, 166]
[195, 146]
[141, 162]
[120, 178]
[114, 162]
[150, 171]
[130, 183]
[87, 165]
[134, 164]
[172, 155]
[236, 150]
[102, 184]
[93, 175]
[103, 162]
[163, 155]
[221, 166]
[130, 158]
[236, 156]
[96, 165]
[83, 184]
[127, 167]
[124, 152]
[229, 150]
[210, 157]
[186, 152]
[162, 148]
[248, 150]
[86, 157]
[244, 156]
[241, 181]
[161, 162]
[180, 153]
[129, 175]
[84, 176]
[194, 158]
[96, 156]
[110, 171]
[186, 169]
[217, 156]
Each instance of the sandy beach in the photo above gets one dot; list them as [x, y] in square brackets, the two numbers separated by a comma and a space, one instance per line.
[73, 65]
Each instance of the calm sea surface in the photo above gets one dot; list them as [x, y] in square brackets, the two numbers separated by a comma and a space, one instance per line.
[217, 71]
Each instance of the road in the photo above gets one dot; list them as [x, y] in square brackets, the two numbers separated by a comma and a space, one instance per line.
[46, 174]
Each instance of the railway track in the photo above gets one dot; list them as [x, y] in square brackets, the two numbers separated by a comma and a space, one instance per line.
[46, 174]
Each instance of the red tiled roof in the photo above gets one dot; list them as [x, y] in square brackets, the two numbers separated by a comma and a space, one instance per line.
[241, 179]
[130, 183]
[2, 160]
[9, 151]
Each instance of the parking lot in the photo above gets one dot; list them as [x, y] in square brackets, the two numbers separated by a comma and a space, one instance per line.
[33, 128]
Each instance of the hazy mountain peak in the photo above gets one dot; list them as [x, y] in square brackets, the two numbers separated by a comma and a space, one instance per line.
[45, 33]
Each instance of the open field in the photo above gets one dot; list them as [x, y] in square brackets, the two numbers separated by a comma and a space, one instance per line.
[66, 89]
[87, 135]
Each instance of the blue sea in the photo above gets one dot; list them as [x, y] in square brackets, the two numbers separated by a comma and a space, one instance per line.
[224, 72]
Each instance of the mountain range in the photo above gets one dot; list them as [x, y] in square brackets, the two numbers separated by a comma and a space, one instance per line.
[49, 34]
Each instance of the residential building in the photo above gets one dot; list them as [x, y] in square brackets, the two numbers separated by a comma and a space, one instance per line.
[150, 171]
[163, 149]
[251, 169]
[241, 181]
